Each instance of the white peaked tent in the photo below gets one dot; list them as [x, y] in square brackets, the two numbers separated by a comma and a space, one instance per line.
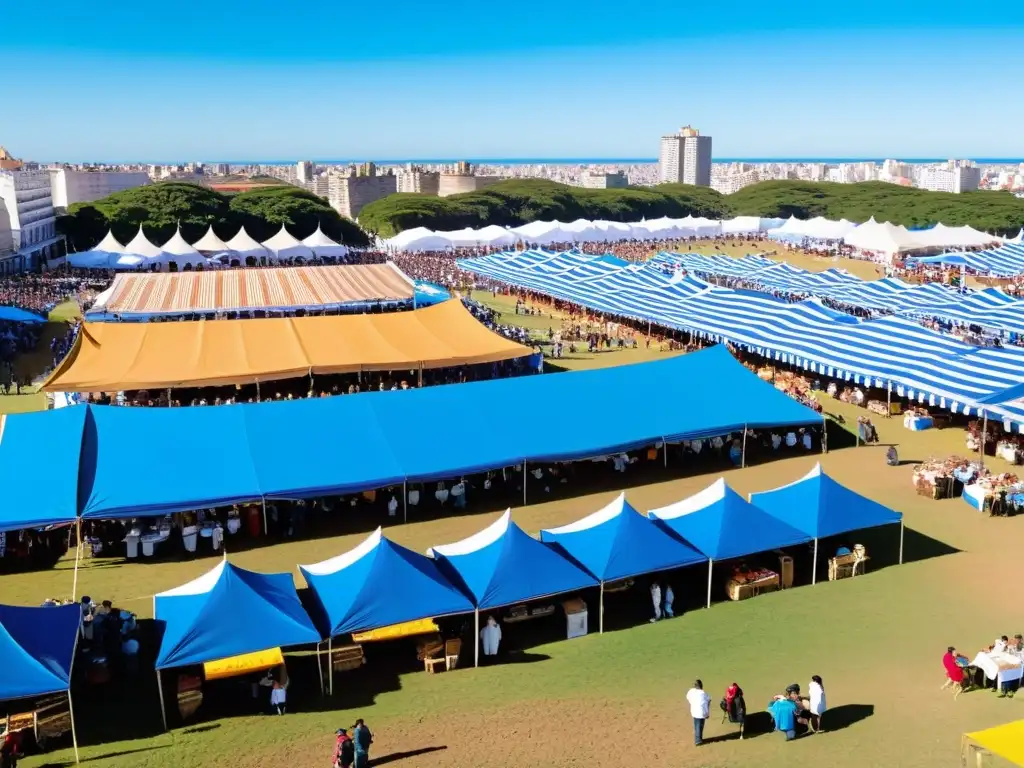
[245, 246]
[399, 241]
[210, 243]
[141, 246]
[180, 252]
[1018, 239]
[701, 226]
[614, 231]
[107, 254]
[882, 238]
[544, 232]
[284, 245]
[941, 236]
[583, 231]
[323, 246]
[490, 236]
[744, 225]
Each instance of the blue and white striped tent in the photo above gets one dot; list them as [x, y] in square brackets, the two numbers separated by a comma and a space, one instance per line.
[1004, 261]
[888, 352]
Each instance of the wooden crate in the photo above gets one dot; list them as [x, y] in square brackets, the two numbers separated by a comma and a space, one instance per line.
[347, 657]
[742, 591]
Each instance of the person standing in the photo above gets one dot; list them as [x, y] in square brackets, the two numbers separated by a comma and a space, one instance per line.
[670, 598]
[816, 690]
[656, 600]
[344, 750]
[363, 739]
[700, 709]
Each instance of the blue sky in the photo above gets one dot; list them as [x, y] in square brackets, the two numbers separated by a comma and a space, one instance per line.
[266, 79]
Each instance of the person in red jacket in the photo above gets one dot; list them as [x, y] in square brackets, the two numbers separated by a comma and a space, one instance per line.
[10, 750]
[344, 750]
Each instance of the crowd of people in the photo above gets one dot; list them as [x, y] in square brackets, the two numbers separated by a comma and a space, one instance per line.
[792, 714]
[39, 293]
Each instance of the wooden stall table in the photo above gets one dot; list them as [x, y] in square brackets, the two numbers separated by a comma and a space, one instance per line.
[49, 718]
[190, 695]
[742, 590]
[846, 566]
[525, 613]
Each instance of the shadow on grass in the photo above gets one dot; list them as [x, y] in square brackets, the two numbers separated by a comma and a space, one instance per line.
[202, 728]
[394, 757]
[105, 756]
[845, 715]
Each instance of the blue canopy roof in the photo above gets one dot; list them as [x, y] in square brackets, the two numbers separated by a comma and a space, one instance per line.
[227, 612]
[37, 646]
[502, 565]
[723, 525]
[617, 541]
[819, 506]
[380, 583]
[17, 315]
[39, 467]
[292, 449]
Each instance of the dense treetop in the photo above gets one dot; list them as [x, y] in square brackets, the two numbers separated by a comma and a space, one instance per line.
[516, 202]
[159, 208]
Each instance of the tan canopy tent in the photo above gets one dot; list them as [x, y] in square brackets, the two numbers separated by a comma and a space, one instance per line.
[116, 356]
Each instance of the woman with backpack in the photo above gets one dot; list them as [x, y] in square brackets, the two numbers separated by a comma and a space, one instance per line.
[734, 706]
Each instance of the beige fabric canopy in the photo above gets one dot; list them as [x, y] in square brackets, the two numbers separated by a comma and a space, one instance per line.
[109, 357]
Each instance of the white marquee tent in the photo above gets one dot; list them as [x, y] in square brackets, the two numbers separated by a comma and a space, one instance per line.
[141, 246]
[245, 246]
[210, 243]
[180, 252]
[284, 245]
[323, 246]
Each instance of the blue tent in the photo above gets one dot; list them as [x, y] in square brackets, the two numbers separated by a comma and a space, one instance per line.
[617, 542]
[40, 454]
[820, 507]
[37, 646]
[227, 612]
[503, 565]
[380, 583]
[16, 315]
[723, 525]
[290, 449]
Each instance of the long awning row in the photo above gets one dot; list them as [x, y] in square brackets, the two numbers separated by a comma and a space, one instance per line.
[110, 357]
[230, 611]
[109, 461]
[1004, 261]
[989, 308]
[917, 363]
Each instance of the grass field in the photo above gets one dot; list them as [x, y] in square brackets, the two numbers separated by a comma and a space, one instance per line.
[616, 698]
[35, 364]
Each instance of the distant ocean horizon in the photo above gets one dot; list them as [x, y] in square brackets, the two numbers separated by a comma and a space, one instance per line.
[620, 160]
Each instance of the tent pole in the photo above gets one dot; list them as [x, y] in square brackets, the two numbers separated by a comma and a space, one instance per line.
[257, 390]
[710, 566]
[405, 501]
[814, 569]
[600, 615]
[330, 666]
[78, 551]
[743, 449]
[74, 734]
[901, 541]
[421, 376]
[824, 435]
[888, 399]
[664, 450]
[319, 665]
[263, 499]
[524, 482]
[160, 693]
[984, 430]
[476, 638]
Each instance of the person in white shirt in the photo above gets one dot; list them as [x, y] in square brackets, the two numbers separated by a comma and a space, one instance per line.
[791, 439]
[807, 441]
[490, 637]
[816, 690]
[700, 710]
[656, 599]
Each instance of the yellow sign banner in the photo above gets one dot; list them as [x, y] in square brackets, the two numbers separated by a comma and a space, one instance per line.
[395, 631]
[243, 665]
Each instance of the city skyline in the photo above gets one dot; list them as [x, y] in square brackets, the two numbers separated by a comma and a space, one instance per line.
[868, 81]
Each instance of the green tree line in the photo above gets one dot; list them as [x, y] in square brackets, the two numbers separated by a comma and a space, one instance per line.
[516, 202]
[160, 208]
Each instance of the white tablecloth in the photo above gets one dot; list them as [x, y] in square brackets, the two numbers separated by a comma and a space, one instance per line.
[1001, 667]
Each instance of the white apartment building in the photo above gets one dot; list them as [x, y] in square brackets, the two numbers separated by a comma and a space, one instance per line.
[28, 198]
[685, 158]
[419, 181]
[727, 183]
[69, 186]
[304, 171]
[956, 176]
[348, 195]
[593, 180]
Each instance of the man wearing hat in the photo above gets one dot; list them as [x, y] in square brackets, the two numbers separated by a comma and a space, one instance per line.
[344, 750]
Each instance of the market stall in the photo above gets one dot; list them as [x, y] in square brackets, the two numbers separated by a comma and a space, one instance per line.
[1001, 494]
[994, 747]
[944, 478]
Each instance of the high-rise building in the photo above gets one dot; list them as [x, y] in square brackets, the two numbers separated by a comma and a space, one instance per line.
[419, 181]
[348, 195]
[304, 171]
[6, 236]
[685, 158]
[69, 186]
[222, 169]
[366, 169]
[459, 183]
[28, 198]
[592, 180]
[955, 176]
